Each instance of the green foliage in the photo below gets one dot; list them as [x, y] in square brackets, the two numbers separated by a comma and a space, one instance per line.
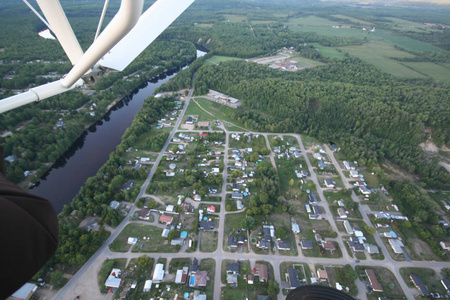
[248, 223]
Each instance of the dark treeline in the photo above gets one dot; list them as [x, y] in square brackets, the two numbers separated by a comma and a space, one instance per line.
[76, 244]
[372, 115]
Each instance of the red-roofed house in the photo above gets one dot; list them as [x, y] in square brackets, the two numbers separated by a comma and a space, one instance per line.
[211, 209]
[165, 219]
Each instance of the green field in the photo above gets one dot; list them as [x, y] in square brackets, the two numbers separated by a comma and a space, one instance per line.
[404, 41]
[235, 18]
[351, 19]
[329, 51]
[218, 111]
[405, 25]
[305, 62]
[433, 70]
[323, 26]
[217, 59]
[379, 54]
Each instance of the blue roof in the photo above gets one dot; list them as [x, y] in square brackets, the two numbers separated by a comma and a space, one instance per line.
[393, 234]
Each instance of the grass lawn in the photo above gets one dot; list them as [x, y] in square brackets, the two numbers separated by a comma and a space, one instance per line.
[380, 54]
[428, 276]
[208, 241]
[217, 59]
[156, 243]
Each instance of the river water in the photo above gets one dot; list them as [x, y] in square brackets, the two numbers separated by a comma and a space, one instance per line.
[91, 150]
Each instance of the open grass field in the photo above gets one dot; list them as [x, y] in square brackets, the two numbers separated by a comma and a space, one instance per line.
[379, 54]
[235, 18]
[219, 112]
[433, 70]
[351, 19]
[323, 26]
[405, 25]
[155, 244]
[217, 59]
[329, 51]
[208, 241]
[404, 41]
[305, 62]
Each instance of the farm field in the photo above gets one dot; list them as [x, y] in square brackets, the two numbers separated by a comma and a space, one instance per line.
[351, 19]
[433, 70]
[323, 26]
[379, 54]
[217, 59]
[329, 51]
[405, 25]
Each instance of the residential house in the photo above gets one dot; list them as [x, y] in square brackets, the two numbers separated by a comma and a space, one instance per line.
[211, 209]
[312, 198]
[292, 278]
[322, 275]
[419, 284]
[295, 228]
[158, 273]
[317, 210]
[328, 246]
[233, 268]
[165, 219]
[321, 165]
[114, 204]
[354, 174]
[446, 284]
[128, 185]
[347, 165]
[396, 245]
[197, 197]
[342, 213]
[371, 249]
[25, 292]
[199, 296]
[239, 196]
[250, 279]
[182, 275]
[260, 270]
[329, 183]
[283, 245]
[348, 227]
[376, 286]
[390, 235]
[306, 244]
[318, 156]
[207, 224]
[199, 279]
[364, 190]
[113, 280]
[445, 245]
[356, 247]
[147, 286]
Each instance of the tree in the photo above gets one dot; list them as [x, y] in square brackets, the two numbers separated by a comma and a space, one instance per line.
[281, 232]
[369, 230]
[273, 288]
[349, 273]
[143, 261]
[248, 223]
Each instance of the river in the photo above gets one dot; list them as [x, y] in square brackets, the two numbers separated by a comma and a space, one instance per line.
[91, 150]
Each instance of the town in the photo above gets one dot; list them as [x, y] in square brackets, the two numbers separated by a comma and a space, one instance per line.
[194, 233]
